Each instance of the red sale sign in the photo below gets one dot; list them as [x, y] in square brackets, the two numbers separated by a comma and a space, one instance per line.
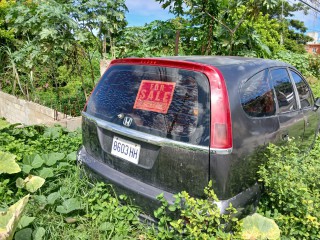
[155, 96]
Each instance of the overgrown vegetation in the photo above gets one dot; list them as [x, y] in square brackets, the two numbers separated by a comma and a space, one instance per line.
[40, 161]
[308, 65]
[63, 206]
[197, 218]
[50, 50]
[291, 193]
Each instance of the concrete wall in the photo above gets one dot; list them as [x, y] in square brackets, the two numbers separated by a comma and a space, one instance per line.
[16, 110]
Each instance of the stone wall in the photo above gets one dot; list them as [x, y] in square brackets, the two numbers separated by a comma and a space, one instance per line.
[16, 110]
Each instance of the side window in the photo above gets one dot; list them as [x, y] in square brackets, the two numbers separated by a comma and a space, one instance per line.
[284, 90]
[257, 97]
[303, 90]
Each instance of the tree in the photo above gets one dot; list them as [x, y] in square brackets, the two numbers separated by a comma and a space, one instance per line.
[292, 30]
[105, 18]
[56, 33]
[157, 38]
[133, 42]
[217, 21]
[45, 33]
[260, 38]
[6, 34]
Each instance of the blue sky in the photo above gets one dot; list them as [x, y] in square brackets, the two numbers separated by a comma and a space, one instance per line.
[145, 11]
[311, 21]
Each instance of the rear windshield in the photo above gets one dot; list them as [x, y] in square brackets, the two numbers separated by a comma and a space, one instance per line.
[166, 102]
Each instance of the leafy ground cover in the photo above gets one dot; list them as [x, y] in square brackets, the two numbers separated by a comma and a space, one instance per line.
[63, 206]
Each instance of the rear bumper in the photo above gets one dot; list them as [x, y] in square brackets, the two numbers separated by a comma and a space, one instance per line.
[141, 194]
[145, 196]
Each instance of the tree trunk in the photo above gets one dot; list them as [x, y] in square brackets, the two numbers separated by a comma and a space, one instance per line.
[81, 76]
[209, 45]
[112, 50]
[176, 49]
[231, 44]
[87, 54]
[104, 46]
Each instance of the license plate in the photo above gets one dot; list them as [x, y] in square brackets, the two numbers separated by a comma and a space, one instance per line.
[125, 149]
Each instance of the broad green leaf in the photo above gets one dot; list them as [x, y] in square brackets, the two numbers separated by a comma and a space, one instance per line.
[24, 234]
[46, 173]
[33, 183]
[52, 158]
[69, 206]
[9, 219]
[259, 227]
[41, 200]
[20, 183]
[62, 165]
[39, 233]
[35, 161]
[53, 197]
[25, 221]
[26, 168]
[8, 163]
[28, 159]
[72, 156]
[53, 132]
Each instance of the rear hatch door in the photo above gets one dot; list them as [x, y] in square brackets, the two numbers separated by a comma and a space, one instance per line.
[152, 123]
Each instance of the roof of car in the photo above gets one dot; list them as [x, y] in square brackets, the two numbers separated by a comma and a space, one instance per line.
[234, 69]
[218, 61]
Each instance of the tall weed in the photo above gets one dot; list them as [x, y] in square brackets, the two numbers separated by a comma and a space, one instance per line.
[291, 193]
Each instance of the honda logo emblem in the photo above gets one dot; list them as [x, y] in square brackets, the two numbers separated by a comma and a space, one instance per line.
[127, 121]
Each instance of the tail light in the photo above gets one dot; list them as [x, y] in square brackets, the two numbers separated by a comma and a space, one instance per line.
[221, 131]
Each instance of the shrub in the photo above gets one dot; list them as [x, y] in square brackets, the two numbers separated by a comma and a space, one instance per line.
[307, 64]
[314, 65]
[195, 218]
[298, 60]
[291, 193]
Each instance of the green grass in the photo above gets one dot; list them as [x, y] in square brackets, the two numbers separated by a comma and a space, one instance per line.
[3, 123]
[66, 207]
[100, 217]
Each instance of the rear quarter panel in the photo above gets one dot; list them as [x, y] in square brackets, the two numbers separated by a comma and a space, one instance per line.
[235, 172]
